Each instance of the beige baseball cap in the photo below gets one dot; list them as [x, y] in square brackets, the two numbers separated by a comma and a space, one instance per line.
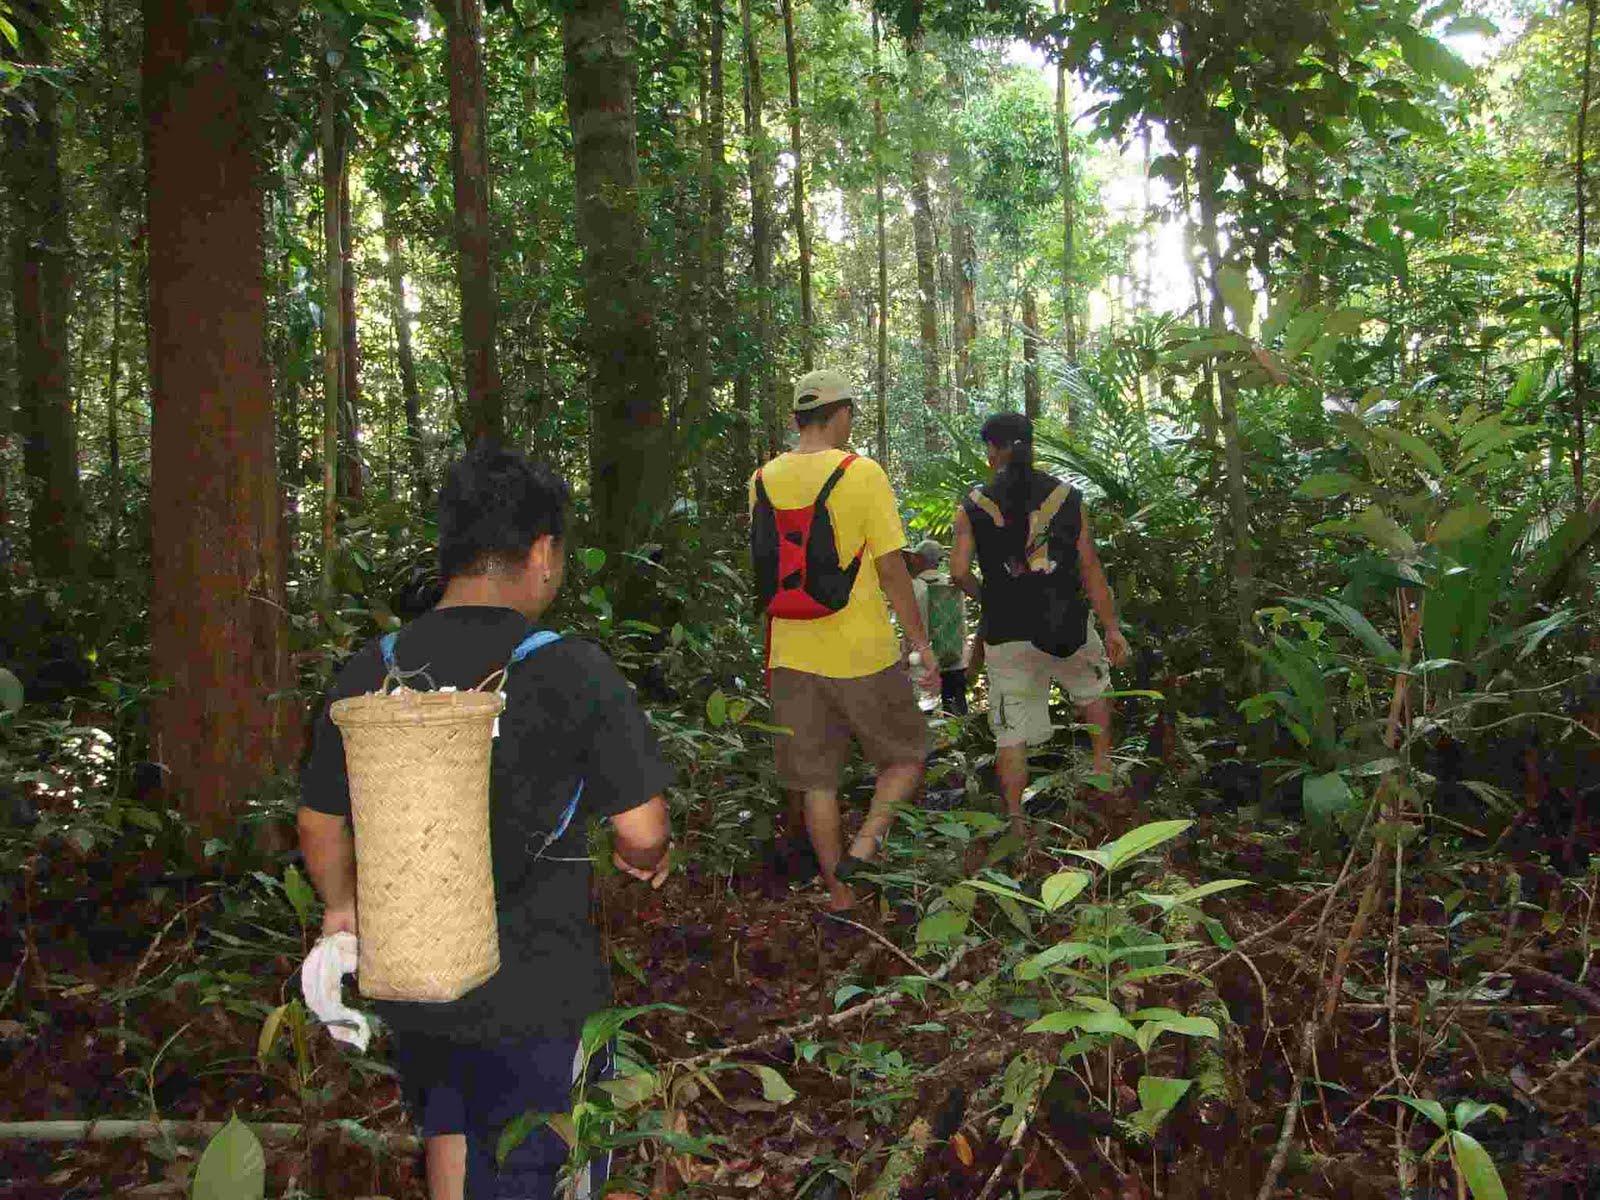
[817, 388]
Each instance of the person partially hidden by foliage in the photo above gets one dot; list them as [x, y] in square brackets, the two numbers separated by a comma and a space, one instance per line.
[1041, 576]
[944, 615]
[833, 660]
[571, 728]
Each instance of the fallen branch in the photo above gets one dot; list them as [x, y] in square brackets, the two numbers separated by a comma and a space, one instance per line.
[1291, 1113]
[37, 1132]
[789, 1032]
[1585, 996]
[1567, 1066]
[884, 942]
[1017, 1135]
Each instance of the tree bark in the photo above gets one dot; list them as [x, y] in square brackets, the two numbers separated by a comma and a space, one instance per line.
[111, 189]
[1030, 352]
[760, 162]
[964, 250]
[1580, 381]
[332, 323]
[922, 236]
[1069, 266]
[406, 361]
[879, 138]
[708, 289]
[469, 167]
[218, 636]
[352, 478]
[798, 175]
[628, 450]
[41, 298]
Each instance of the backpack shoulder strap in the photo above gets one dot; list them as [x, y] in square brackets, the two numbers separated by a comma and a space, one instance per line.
[987, 506]
[833, 479]
[534, 641]
[386, 648]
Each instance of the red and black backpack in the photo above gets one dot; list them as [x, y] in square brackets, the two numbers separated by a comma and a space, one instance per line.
[798, 573]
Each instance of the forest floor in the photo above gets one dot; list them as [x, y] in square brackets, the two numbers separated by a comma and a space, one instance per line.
[154, 1001]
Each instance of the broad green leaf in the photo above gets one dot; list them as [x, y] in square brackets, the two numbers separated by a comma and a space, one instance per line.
[717, 709]
[1459, 523]
[301, 897]
[1281, 308]
[1141, 840]
[630, 1091]
[1382, 531]
[846, 993]
[1424, 455]
[1061, 952]
[1210, 889]
[1432, 58]
[774, 1087]
[601, 1027]
[1088, 1022]
[1480, 26]
[1326, 797]
[983, 885]
[233, 1166]
[1350, 619]
[1328, 485]
[1468, 1111]
[1431, 1109]
[1476, 1167]
[1234, 285]
[942, 927]
[593, 558]
[11, 693]
[269, 1033]
[516, 1132]
[1062, 888]
[1158, 1094]
[1302, 331]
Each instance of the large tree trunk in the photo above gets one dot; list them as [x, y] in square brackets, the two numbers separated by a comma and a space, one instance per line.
[879, 138]
[964, 249]
[798, 174]
[352, 479]
[469, 166]
[410, 396]
[333, 361]
[628, 451]
[922, 236]
[1069, 265]
[760, 234]
[218, 636]
[41, 298]
[1030, 351]
[1579, 375]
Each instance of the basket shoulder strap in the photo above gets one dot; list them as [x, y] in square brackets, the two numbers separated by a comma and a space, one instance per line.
[534, 641]
[386, 648]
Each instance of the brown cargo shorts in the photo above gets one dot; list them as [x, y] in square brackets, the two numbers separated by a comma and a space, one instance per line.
[822, 714]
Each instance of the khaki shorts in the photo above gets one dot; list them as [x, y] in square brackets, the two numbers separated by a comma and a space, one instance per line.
[822, 714]
[1020, 675]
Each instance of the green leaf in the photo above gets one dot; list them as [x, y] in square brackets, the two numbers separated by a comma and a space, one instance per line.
[1066, 1021]
[1062, 888]
[269, 1033]
[774, 1087]
[593, 558]
[1379, 528]
[233, 1166]
[1477, 1168]
[1480, 26]
[1160, 1095]
[1432, 58]
[1141, 840]
[11, 693]
[942, 927]
[1328, 485]
[1460, 523]
[717, 709]
[601, 1027]
[1326, 798]
[516, 1132]
[1431, 1109]
[1234, 285]
[1061, 952]
[994, 889]
[301, 897]
[846, 993]
[1424, 455]
[1196, 1027]
[1468, 1111]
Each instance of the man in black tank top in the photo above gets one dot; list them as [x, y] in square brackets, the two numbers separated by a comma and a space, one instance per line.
[1041, 577]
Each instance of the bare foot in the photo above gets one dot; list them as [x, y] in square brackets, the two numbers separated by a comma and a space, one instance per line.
[840, 898]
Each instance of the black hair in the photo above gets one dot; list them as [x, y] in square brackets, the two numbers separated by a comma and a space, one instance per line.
[822, 414]
[495, 503]
[1012, 431]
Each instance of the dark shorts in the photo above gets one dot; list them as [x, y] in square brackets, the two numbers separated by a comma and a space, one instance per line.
[476, 1089]
[822, 714]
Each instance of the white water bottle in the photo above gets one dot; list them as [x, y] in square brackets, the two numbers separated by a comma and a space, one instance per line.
[927, 701]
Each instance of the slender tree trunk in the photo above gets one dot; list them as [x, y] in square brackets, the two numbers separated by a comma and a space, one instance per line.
[111, 189]
[760, 233]
[218, 635]
[41, 298]
[353, 476]
[406, 361]
[1580, 376]
[964, 250]
[332, 329]
[628, 451]
[879, 138]
[922, 236]
[719, 301]
[798, 175]
[1069, 262]
[707, 288]
[469, 166]
[1030, 351]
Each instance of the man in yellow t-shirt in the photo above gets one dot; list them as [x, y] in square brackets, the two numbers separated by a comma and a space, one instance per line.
[839, 676]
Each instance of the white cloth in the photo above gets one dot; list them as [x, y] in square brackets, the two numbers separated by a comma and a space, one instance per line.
[321, 977]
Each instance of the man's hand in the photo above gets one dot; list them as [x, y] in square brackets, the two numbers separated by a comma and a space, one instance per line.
[926, 664]
[1116, 646]
[339, 920]
[656, 877]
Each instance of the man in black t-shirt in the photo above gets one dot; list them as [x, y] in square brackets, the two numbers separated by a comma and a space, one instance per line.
[1030, 538]
[510, 1045]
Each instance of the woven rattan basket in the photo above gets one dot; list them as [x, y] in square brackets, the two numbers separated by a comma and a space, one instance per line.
[419, 794]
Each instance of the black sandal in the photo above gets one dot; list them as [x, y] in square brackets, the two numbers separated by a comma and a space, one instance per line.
[849, 867]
